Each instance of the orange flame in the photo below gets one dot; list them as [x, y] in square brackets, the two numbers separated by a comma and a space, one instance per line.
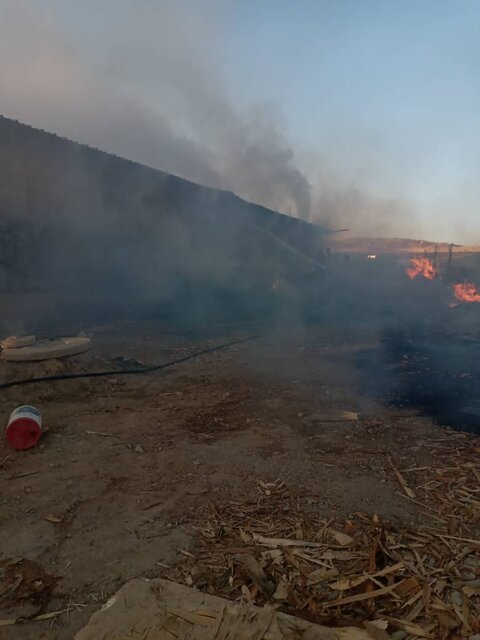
[422, 267]
[466, 292]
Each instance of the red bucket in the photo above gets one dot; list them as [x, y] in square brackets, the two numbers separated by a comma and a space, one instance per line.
[24, 427]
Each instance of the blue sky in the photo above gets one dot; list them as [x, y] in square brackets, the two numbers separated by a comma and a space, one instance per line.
[394, 84]
[377, 97]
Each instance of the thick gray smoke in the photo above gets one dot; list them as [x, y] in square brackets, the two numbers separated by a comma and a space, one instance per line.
[345, 206]
[156, 95]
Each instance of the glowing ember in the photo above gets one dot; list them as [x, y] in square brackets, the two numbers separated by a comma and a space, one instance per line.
[422, 267]
[466, 292]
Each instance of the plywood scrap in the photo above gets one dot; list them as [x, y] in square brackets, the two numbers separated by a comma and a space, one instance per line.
[163, 610]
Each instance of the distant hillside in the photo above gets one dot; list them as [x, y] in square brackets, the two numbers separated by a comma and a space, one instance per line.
[75, 218]
[394, 246]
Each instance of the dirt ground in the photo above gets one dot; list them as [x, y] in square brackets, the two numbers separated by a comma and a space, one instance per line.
[108, 494]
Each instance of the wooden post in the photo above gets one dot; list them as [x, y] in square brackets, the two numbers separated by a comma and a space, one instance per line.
[450, 251]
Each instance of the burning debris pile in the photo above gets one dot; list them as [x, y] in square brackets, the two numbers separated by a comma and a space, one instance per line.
[426, 268]
[422, 267]
[466, 292]
[278, 550]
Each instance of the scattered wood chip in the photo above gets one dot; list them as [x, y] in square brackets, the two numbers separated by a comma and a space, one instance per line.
[377, 629]
[8, 622]
[413, 629]
[471, 590]
[401, 479]
[408, 586]
[350, 415]
[281, 592]
[361, 596]
[44, 616]
[257, 574]
[319, 575]
[347, 583]
[285, 542]
[53, 519]
[26, 474]
[244, 536]
[342, 538]
[332, 554]
[424, 580]
[99, 433]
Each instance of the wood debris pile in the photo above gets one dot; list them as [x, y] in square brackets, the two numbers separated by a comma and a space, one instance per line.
[421, 582]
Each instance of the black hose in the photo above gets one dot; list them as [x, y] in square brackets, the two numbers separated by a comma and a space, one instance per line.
[118, 372]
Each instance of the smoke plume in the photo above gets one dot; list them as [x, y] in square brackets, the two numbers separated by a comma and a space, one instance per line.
[156, 95]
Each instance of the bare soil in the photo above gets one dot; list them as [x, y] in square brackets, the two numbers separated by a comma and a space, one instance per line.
[107, 494]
